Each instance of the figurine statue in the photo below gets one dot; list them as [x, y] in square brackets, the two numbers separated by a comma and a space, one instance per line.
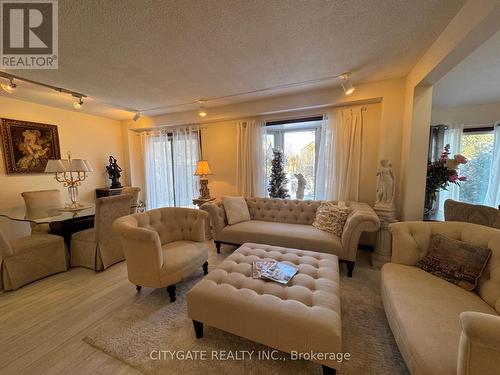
[114, 173]
[301, 185]
[385, 184]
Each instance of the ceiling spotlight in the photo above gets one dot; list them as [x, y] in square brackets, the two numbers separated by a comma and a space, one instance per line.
[202, 112]
[9, 87]
[137, 116]
[78, 104]
[346, 83]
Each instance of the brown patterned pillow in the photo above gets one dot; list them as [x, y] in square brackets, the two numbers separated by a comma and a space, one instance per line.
[455, 261]
[331, 217]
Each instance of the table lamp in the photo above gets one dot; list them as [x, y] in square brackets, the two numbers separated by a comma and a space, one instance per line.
[202, 170]
[70, 172]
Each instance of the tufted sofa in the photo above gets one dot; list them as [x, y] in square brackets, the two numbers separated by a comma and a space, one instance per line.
[439, 327]
[163, 246]
[288, 223]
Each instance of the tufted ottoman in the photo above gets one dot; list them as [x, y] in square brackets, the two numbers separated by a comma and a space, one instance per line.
[302, 316]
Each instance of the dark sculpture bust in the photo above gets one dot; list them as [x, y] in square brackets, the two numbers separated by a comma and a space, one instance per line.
[114, 173]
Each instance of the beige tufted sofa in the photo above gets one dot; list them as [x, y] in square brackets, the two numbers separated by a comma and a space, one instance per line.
[163, 246]
[288, 223]
[441, 328]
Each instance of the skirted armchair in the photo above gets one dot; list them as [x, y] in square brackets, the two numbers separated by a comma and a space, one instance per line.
[163, 246]
[99, 248]
[30, 258]
[37, 203]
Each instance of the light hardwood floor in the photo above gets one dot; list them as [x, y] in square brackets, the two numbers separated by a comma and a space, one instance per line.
[42, 324]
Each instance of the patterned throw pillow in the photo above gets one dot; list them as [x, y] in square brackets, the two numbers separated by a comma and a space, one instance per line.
[331, 217]
[455, 261]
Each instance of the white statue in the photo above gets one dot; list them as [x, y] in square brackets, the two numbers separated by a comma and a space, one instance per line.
[385, 185]
[301, 185]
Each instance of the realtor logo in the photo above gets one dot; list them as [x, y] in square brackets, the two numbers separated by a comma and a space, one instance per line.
[29, 34]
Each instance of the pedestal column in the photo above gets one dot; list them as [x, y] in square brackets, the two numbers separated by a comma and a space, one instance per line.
[383, 246]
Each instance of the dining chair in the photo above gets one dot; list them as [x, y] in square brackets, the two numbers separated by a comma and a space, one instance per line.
[30, 258]
[134, 191]
[99, 247]
[163, 246]
[37, 203]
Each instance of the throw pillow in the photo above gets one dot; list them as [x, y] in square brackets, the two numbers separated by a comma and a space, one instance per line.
[331, 217]
[236, 209]
[455, 261]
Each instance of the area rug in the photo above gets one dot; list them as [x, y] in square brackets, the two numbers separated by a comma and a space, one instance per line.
[156, 337]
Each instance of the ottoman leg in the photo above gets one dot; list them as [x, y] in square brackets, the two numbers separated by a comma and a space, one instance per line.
[217, 246]
[328, 370]
[350, 267]
[205, 268]
[198, 329]
[138, 287]
[171, 292]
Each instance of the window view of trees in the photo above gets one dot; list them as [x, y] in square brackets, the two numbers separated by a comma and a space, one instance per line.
[478, 149]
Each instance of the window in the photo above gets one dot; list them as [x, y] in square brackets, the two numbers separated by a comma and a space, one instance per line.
[299, 141]
[477, 147]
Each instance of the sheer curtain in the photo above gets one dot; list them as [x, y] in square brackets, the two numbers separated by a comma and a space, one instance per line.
[170, 157]
[251, 162]
[493, 192]
[453, 137]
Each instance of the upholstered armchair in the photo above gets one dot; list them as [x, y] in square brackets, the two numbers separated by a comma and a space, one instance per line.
[30, 258]
[37, 203]
[98, 248]
[471, 213]
[134, 192]
[163, 246]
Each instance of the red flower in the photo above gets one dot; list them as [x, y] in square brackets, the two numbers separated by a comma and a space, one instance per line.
[462, 178]
[453, 177]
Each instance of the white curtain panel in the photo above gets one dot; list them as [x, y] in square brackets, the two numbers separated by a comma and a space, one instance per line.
[325, 170]
[348, 152]
[170, 157]
[251, 162]
[493, 192]
[453, 137]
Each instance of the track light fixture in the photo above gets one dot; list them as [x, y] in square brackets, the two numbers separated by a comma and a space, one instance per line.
[346, 83]
[9, 87]
[137, 116]
[202, 112]
[78, 103]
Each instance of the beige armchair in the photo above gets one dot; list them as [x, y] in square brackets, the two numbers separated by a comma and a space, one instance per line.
[30, 258]
[98, 248]
[471, 213]
[37, 203]
[163, 246]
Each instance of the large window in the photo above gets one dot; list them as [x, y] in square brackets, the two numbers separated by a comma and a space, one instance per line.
[299, 141]
[477, 146]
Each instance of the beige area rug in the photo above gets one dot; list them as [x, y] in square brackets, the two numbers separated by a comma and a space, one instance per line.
[152, 324]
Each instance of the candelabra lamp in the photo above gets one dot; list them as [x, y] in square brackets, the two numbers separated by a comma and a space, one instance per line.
[71, 173]
[202, 170]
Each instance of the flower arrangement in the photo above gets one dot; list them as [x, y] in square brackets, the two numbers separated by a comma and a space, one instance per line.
[440, 174]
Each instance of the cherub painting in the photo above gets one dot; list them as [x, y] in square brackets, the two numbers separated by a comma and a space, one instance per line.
[28, 146]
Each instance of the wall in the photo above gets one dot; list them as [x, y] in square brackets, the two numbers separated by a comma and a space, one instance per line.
[86, 136]
[467, 115]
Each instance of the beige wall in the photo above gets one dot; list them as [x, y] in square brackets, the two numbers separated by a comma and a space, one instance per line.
[86, 136]
[467, 115]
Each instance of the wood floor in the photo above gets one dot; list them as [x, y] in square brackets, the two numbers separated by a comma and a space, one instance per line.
[42, 324]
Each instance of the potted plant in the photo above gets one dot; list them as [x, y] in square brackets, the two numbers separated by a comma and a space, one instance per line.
[440, 174]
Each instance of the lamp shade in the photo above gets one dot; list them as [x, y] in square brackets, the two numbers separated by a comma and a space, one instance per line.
[78, 165]
[202, 168]
[89, 166]
[55, 166]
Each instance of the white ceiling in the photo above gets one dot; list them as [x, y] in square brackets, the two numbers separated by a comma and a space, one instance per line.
[147, 54]
[476, 80]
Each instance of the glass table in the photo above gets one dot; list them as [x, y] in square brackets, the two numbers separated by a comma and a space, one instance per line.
[61, 221]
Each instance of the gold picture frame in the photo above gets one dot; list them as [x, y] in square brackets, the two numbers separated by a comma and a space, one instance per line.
[27, 146]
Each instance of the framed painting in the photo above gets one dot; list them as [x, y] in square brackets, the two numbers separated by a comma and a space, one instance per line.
[27, 146]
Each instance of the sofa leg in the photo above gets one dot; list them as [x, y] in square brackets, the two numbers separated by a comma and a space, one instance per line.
[328, 370]
[138, 287]
[205, 268]
[198, 329]
[171, 292]
[350, 267]
[217, 246]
